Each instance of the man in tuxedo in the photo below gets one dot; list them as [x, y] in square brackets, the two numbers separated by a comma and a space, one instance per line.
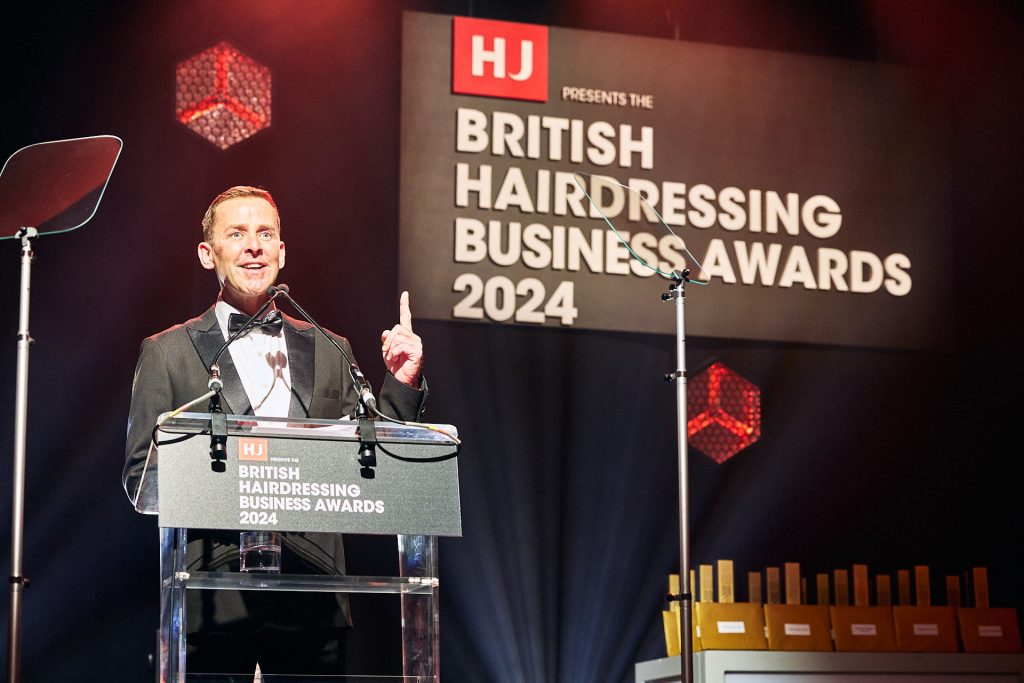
[281, 368]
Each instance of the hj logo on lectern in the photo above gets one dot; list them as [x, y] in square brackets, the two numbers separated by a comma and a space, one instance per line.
[499, 59]
[250, 448]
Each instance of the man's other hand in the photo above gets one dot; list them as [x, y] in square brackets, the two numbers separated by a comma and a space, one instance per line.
[402, 348]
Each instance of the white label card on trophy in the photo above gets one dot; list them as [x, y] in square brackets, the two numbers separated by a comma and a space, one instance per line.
[797, 629]
[926, 629]
[994, 631]
[863, 630]
[732, 627]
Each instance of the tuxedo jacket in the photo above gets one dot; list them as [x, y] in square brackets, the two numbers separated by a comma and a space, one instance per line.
[173, 369]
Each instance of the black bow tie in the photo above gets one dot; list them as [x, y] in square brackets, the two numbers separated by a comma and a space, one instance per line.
[271, 323]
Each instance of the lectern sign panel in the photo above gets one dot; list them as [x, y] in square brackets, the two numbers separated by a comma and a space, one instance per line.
[291, 484]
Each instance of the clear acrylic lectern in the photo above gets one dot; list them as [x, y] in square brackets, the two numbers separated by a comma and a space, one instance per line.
[411, 491]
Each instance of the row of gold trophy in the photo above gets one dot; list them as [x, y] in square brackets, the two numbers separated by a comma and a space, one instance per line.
[781, 617]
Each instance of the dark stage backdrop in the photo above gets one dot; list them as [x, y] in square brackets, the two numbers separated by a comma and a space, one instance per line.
[890, 458]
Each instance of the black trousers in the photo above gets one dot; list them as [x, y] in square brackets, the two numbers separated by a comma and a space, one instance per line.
[286, 632]
[232, 656]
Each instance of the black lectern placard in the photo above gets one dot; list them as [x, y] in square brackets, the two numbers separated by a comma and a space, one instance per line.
[291, 475]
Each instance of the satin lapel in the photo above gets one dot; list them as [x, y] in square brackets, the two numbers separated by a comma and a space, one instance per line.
[301, 345]
[207, 339]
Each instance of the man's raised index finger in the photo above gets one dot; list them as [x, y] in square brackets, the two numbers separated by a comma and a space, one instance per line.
[404, 314]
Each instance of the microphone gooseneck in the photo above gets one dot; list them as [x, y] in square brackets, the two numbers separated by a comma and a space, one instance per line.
[363, 389]
[366, 404]
[215, 383]
[218, 420]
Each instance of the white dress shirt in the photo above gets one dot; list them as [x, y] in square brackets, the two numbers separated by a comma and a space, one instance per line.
[261, 360]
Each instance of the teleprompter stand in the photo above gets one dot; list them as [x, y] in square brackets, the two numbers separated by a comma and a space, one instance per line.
[413, 494]
[676, 295]
[45, 189]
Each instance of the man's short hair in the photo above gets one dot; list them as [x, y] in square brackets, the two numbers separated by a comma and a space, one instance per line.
[235, 192]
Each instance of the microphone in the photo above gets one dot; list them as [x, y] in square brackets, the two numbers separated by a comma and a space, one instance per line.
[218, 421]
[363, 389]
[215, 383]
[367, 403]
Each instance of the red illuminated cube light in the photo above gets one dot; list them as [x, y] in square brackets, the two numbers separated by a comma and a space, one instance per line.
[223, 95]
[724, 411]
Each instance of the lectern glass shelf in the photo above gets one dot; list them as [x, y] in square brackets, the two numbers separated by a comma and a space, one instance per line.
[307, 428]
[410, 491]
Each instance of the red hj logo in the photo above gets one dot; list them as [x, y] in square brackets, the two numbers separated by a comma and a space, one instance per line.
[250, 448]
[499, 59]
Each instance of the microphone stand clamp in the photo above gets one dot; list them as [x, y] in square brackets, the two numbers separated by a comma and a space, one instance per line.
[218, 424]
[367, 441]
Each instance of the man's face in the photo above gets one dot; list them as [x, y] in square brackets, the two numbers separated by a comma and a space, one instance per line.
[246, 250]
